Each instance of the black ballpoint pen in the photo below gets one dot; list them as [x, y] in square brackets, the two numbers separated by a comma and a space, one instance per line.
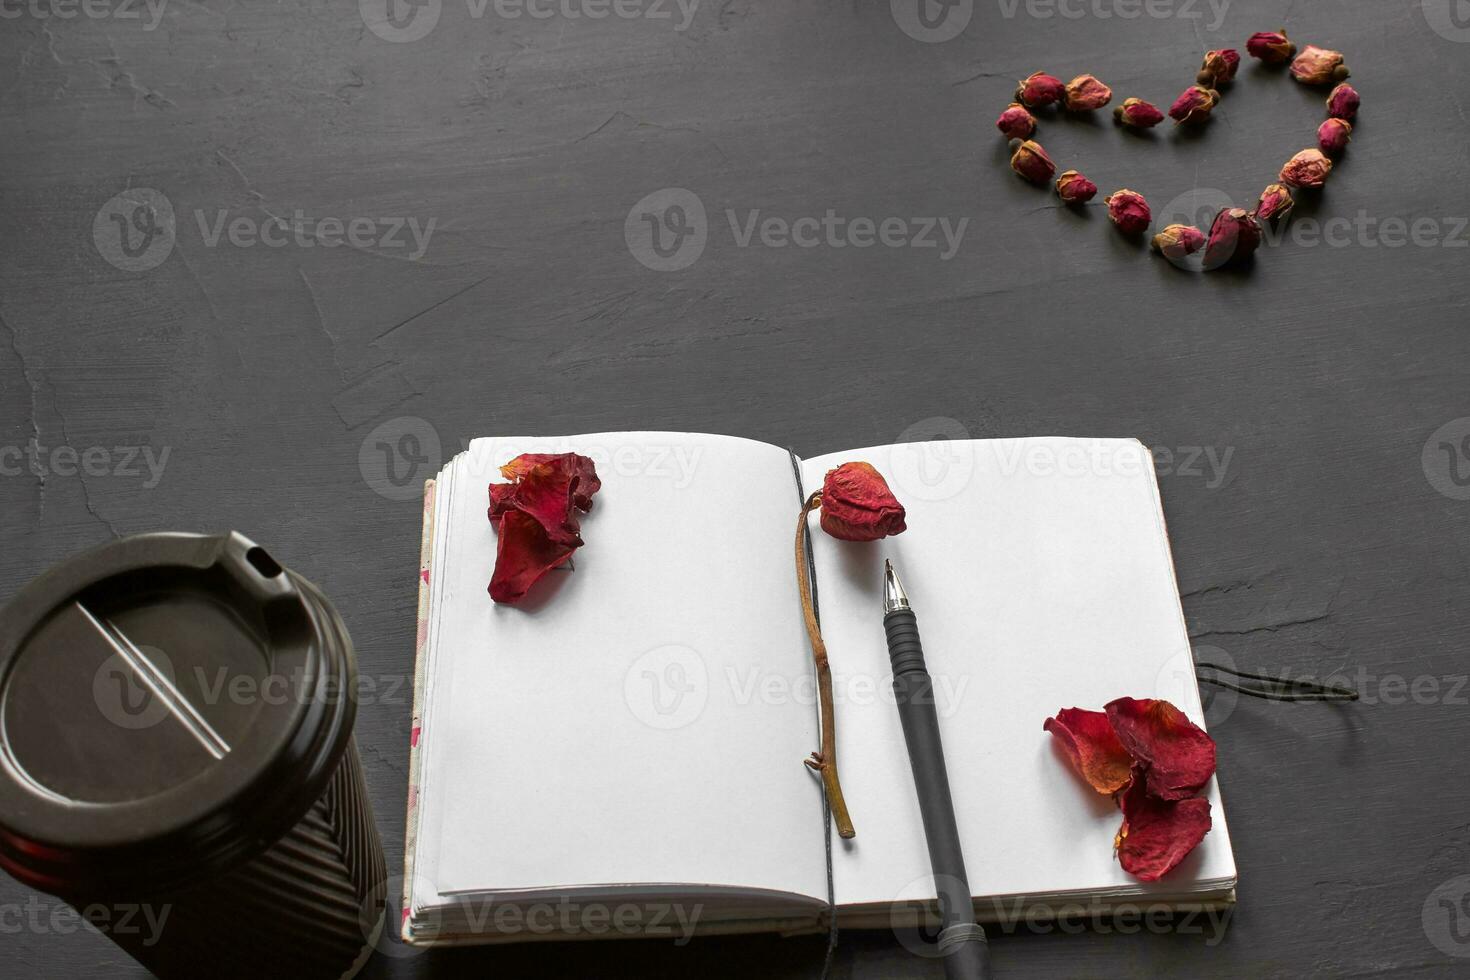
[961, 941]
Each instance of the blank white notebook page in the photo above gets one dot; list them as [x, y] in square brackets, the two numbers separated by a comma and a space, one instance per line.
[1040, 574]
[605, 733]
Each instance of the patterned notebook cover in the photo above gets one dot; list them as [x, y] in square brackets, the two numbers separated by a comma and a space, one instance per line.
[411, 825]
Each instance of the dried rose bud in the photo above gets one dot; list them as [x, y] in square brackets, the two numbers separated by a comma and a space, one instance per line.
[1040, 89]
[1138, 113]
[858, 506]
[1085, 93]
[1343, 102]
[1177, 241]
[1333, 136]
[1219, 67]
[1129, 211]
[1309, 168]
[1275, 203]
[1016, 122]
[1234, 235]
[1272, 47]
[1318, 66]
[1030, 161]
[1073, 188]
[1194, 104]
[1232, 62]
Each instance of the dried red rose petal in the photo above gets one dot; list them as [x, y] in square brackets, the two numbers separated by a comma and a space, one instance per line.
[858, 506]
[1309, 168]
[524, 553]
[1090, 742]
[1334, 135]
[1194, 104]
[1177, 756]
[579, 472]
[1073, 188]
[1138, 113]
[1275, 203]
[1343, 102]
[1272, 47]
[1318, 66]
[536, 517]
[1128, 210]
[1178, 241]
[1234, 234]
[551, 487]
[1040, 89]
[1219, 67]
[544, 501]
[1157, 834]
[1016, 123]
[1085, 93]
[1030, 161]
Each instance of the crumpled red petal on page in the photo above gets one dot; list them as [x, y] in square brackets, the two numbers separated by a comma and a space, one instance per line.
[538, 518]
[1157, 834]
[564, 466]
[1178, 756]
[1092, 745]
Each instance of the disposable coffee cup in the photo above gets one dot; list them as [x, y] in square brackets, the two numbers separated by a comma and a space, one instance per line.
[177, 764]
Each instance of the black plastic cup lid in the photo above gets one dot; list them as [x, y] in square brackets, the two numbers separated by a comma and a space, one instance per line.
[170, 705]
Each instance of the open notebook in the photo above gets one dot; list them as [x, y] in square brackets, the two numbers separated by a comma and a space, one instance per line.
[633, 735]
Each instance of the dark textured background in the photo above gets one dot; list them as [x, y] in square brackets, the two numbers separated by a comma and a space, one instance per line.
[1322, 371]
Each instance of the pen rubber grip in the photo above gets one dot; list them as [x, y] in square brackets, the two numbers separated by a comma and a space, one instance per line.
[905, 652]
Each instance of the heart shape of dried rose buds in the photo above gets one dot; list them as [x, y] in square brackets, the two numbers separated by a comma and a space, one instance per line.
[1234, 233]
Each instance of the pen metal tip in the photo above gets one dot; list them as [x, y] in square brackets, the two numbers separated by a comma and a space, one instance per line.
[894, 597]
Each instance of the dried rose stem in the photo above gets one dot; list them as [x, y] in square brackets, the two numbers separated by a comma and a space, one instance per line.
[824, 761]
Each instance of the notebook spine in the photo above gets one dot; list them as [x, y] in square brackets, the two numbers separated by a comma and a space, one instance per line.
[415, 756]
